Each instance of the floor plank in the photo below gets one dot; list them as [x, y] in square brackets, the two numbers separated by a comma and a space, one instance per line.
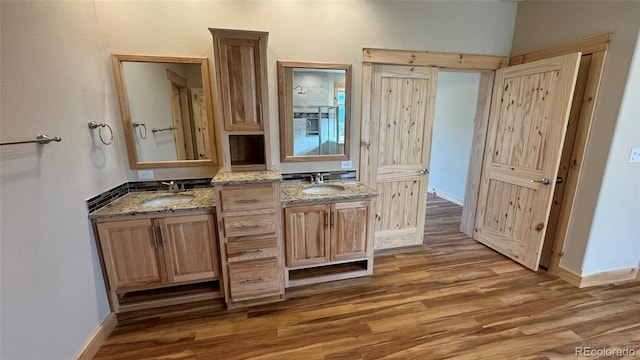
[451, 298]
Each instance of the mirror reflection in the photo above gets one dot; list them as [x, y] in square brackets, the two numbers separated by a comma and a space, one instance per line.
[314, 103]
[166, 111]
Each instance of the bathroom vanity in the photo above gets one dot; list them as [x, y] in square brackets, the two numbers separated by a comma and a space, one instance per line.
[153, 240]
[246, 239]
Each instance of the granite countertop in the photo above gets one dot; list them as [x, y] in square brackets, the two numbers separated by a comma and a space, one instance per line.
[247, 177]
[353, 190]
[130, 204]
[205, 199]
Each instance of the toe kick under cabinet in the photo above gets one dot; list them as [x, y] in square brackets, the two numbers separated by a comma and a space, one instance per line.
[250, 242]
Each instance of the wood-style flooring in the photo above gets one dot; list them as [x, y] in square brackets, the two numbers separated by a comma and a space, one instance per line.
[449, 299]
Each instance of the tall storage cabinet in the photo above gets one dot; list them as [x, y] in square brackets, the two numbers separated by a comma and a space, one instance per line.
[242, 108]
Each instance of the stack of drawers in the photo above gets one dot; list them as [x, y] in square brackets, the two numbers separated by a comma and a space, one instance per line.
[250, 234]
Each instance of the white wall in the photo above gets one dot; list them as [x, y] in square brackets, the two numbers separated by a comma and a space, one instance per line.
[618, 210]
[603, 233]
[55, 78]
[456, 103]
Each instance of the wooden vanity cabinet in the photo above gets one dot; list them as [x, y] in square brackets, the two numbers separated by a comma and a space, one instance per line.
[150, 253]
[243, 104]
[328, 237]
[240, 63]
[250, 242]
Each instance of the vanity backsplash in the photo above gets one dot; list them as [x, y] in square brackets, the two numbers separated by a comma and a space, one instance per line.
[119, 191]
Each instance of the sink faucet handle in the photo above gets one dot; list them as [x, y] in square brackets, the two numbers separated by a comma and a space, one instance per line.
[317, 178]
[172, 185]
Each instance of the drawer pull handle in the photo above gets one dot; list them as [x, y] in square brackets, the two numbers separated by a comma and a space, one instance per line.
[256, 251]
[247, 227]
[247, 201]
[253, 281]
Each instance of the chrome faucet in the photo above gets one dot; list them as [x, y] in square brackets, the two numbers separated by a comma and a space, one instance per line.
[174, 187]
[318, 178]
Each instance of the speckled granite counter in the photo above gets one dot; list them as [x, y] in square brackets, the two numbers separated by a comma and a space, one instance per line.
[353, 190]
[246, 177]
[205, 199]
[130, 204]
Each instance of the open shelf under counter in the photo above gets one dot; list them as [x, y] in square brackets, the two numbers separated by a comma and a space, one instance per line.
[340, 270]
[166, 296]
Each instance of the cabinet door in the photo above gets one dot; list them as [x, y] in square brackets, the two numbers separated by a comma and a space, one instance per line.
[307, 234]
[189, 247]
[240, 80]
[349, 230]
[129, 249]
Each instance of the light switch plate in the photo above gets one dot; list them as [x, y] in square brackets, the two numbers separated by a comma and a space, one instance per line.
[346, 164]
[635, 155]
[145, 174]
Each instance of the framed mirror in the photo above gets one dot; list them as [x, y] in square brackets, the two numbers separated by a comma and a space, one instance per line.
[314, 101]
[166, 108]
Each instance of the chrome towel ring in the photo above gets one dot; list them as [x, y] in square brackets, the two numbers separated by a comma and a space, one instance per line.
[141, 126]
[94, 125]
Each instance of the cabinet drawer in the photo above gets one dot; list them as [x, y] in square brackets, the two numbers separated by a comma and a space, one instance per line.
[254, 249]
[247, 198]
[249, 225]
[255, 279]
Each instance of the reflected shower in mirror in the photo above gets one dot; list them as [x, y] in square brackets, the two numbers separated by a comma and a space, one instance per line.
[166, 110]
[314, 102]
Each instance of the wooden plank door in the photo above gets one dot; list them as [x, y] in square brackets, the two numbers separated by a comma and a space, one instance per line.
[527, 126]
[180, 115]
[200, 123]
[396, 147]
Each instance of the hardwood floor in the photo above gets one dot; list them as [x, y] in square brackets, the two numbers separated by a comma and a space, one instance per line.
[449, 299]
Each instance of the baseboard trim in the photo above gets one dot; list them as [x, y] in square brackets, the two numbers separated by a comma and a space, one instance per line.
[98, 338]
[445, 196]
[602, 278]
[568, 276]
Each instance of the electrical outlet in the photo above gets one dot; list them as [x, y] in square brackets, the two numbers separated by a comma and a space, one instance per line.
[346, 164]
[145, 174]
[635, 155]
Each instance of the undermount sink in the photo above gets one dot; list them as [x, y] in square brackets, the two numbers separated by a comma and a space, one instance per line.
[168, 200]
[323, 189]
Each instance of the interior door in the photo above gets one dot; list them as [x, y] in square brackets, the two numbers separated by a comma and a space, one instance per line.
[527, 126]
[397, 151]
[181, 124]
[200, 123]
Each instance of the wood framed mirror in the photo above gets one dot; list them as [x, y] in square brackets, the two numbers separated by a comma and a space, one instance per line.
[314, 101]
[166, 109]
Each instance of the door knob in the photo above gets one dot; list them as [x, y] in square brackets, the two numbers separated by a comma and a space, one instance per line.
[559, 180]
[543, 181]
[424, 171]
